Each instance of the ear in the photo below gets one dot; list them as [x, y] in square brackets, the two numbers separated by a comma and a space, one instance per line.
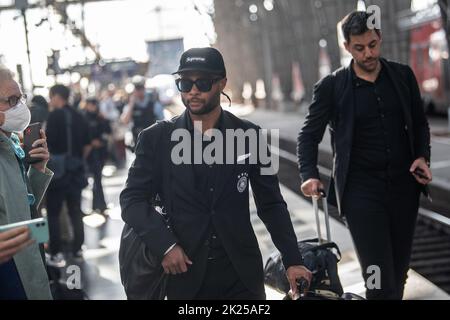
[347, 46]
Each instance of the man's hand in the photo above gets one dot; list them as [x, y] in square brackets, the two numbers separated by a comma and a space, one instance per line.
[296, 273]
[311, 187]
[175, 261]
[2, 118]
[13, 241]
[40, 151]
[425, 176]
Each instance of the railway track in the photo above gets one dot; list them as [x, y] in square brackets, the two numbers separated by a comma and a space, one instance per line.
[431, 247]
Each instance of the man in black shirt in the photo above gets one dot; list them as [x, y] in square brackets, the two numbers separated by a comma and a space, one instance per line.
[380, 137]
[67, 134]
[209, 249]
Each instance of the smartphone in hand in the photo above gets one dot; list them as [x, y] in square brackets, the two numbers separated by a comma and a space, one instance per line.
[38, 229]
[419, 172]
[30, 135]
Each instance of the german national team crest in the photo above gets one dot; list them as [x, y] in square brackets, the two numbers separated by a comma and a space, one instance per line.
[242, 182]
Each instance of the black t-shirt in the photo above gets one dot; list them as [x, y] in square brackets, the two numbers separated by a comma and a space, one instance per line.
[57, 130]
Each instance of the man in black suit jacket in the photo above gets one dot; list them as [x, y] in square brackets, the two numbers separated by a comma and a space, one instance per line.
[381, 153]
[209, 249]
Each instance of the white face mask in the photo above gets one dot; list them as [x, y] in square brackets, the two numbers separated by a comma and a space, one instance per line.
[17, 119]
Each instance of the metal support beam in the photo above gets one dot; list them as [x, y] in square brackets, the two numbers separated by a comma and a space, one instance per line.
[50, 3]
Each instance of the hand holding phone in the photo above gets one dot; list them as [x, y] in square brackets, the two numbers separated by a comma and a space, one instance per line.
[38, 229]
[12, 242]
[419, 172]
[30, 135]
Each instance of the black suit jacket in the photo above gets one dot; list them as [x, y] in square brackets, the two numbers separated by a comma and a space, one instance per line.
[333, 105]
[190, 216]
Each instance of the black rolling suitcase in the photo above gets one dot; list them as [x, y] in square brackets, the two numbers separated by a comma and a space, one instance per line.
[321, 257]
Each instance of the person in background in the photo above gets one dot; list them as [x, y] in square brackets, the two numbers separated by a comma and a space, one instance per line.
[110, 111]
[158, 107]
[140, 111]
[68, 187]
[39, 110]
[108, 108]
[99, 131]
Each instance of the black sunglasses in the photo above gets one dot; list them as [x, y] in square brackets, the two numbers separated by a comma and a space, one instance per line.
[203, 85]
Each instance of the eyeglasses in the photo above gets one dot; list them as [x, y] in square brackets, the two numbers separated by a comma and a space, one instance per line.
[203, 85]
[14, 100]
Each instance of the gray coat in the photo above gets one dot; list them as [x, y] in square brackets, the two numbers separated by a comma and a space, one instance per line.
[14, 208]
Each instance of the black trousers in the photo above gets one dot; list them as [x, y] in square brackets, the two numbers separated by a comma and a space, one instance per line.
[221, 281]
[55, 200]
[381, 214]
[96, 164]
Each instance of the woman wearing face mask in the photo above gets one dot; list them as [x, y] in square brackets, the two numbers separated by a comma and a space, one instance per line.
[22, 270]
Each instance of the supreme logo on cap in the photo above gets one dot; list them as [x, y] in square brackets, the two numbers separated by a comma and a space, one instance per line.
[193, 59]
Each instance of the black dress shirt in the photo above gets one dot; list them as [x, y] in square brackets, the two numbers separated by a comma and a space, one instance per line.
[380, 141]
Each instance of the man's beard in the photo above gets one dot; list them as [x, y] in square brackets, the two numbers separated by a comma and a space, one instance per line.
[363, 65]
[208, 106]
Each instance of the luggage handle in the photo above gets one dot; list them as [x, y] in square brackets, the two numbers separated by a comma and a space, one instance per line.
[327, 217]
[302, 286]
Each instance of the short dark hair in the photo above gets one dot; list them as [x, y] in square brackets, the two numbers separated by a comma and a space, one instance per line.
[39, 100]
[355, 24]
[60, 90]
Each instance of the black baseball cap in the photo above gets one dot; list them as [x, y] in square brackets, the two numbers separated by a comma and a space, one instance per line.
[207, 59]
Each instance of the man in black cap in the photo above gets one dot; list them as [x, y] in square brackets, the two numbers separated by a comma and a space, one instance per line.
[209, 248]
